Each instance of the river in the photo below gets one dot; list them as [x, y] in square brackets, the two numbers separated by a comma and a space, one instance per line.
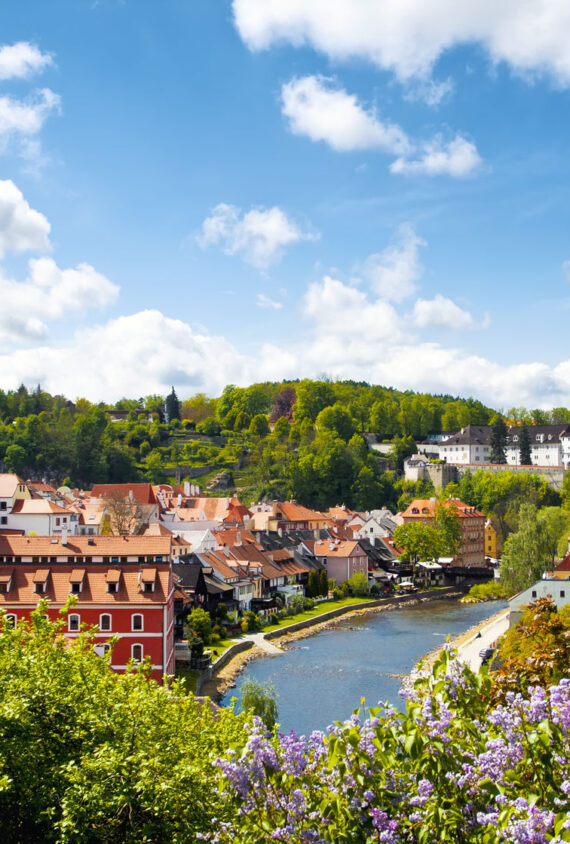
[322, 678]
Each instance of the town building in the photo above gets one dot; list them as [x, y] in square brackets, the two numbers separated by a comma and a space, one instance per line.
[341, 558]
[554, 588]
[133, 604]
[471, 521]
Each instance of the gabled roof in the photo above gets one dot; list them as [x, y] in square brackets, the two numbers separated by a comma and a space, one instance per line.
[91, 546]
[9, 484]
[142, 493]
[57, 580]
[336, 548]
[290, 511]
[38, 507]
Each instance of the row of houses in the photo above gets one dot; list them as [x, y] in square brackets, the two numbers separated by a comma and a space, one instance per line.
[549, 445]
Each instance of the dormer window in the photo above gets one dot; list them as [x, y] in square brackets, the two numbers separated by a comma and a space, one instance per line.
[6, 582]
[147, 579]
[76, 579]
[113, 578]
[40, 580]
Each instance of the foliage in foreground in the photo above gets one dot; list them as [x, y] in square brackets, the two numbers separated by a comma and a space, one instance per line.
[449, 769]
[87, 755]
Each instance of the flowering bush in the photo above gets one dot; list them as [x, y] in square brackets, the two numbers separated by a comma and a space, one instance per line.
[451, 768]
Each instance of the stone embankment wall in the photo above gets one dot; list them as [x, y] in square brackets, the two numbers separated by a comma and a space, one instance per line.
[431, 595]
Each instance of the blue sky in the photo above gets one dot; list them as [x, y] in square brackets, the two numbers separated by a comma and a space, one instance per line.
[198, 192]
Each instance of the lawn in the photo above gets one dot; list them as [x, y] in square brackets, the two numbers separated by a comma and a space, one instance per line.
[320, 609]
[220, 646]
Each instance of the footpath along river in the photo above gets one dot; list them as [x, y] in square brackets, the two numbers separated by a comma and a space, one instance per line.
[322, 678]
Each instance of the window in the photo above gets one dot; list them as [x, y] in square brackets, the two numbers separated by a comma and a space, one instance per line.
[112, 588]
[73, 623]
[3, 520]
[533, 593]
[75, 588]
[58, 521]
[11, 620]
[105, 622]
[114, 559]
[3, 505]
[40, 587]
[148, 587]
[137, 653]
[137, 622]
[3, 587]
[562, 593]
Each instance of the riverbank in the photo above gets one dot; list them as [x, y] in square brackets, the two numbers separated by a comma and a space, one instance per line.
[217, 684]
[459, 641]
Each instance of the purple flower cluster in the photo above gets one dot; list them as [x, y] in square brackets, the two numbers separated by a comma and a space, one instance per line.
[448, 764]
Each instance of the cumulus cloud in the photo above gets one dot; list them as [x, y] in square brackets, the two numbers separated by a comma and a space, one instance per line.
[22, 229]
[440, 312]
[22, 60]
[258, 236]
[314, 107]
[530, 36]
[320, 110]
[50, 293]
[458, 158]
[393, 273]
[25, 118]
[263, 301]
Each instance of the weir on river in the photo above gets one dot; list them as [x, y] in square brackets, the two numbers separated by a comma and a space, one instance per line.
[322, 678]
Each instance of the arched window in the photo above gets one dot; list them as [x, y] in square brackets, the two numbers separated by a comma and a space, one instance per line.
[137, 653]
[11, 620]
[105, 622]
[137, 622]
[73, 622]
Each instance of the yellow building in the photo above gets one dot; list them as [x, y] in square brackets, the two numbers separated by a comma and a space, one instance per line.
[493, 546]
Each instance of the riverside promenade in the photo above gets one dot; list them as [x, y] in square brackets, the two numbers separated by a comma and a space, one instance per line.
[486, 637]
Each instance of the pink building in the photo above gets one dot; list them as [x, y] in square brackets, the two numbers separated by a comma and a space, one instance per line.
[342, 558]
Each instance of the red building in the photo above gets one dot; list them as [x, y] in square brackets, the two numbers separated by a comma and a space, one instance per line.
[134, 603]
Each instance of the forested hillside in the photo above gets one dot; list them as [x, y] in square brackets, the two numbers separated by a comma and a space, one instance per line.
[301, 439]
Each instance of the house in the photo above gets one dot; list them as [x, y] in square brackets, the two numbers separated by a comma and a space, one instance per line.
[429, 573]
[469, 445]
[471, 521]
[555, 589]
[12, 489]
[493, 543]
[132, 603]
[288, 515]
[549, 445]
[378, 524]
[141, 493]
[342, 559]
[43, 517]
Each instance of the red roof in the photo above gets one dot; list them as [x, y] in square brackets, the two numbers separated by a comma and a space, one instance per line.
[143, 493]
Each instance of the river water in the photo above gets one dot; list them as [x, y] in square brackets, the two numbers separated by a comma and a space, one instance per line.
[322, 678]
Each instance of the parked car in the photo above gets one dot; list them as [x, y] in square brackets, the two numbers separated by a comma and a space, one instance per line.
[485, 654]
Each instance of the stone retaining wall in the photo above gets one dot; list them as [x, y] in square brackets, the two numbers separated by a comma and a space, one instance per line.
[365, 605]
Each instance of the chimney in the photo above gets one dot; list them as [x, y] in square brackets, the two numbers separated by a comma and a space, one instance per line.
[316, 533]
[180, 499]
[64, 536]
[131, 496]
[187, 488]
[238, 538]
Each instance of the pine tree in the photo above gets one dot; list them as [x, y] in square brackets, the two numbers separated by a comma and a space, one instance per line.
[498, 441]
[524, 439]
[172, 406]
[324, 583]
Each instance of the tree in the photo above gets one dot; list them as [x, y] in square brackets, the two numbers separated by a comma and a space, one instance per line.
[91, 756]
[358, 584]
[524, 446]
[526, 554]
[283, 405]
[124, 514]
[16, 459]
[281, 428]
[258, 427]
[337, 420]
[402, 447]
[498, 441]
[313, 584]
[418, 541]
[172, 406]
[449, 526]
[261, 700]
[199, 624]
[324, 583]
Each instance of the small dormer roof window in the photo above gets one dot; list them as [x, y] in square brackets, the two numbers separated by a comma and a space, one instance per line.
[76, 579]
[6, 581]
[40, 580]
[147, 579]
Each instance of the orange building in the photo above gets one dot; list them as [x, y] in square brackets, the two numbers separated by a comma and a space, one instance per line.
[471, 520]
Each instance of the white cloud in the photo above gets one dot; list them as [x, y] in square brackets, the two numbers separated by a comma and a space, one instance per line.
[258, 236]
[322, 112]
[263, 301]
[457, 158]
[22, 60]
[318, 110]
[50, 293]
[440, 312]
[22, 229]
[25, 118]
[530, 36]
[393, 273]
